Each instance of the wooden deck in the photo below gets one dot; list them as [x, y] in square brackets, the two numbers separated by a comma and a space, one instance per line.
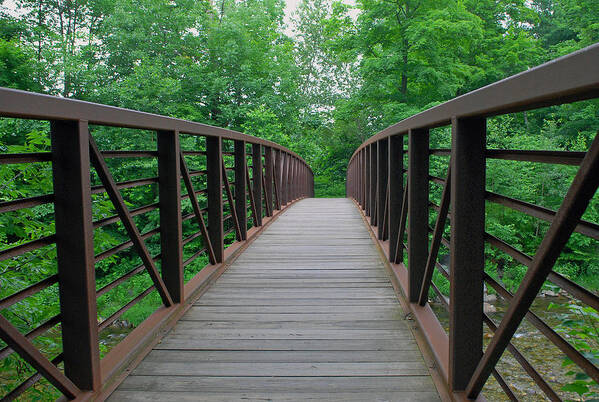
[307, 312]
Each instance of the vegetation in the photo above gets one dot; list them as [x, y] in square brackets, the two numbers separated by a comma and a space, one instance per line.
[345, 73]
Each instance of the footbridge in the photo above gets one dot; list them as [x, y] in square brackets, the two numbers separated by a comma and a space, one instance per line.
[243, 286]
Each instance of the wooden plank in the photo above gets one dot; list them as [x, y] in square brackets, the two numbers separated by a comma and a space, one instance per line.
[126, 396]
[278, 384]
[307, 301]
[282, 356]
[297, 308]
[197, 314]
[298, 325]
[293, 344]
[282, 369]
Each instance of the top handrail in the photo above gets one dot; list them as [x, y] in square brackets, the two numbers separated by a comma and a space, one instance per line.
[30, 105]
[570, 78]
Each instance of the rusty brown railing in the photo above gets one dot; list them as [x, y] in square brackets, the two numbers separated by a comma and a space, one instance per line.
[275, 179]
[375, 180]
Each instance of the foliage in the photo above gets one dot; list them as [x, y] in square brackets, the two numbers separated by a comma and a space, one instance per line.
[581, 328]
[345, 73]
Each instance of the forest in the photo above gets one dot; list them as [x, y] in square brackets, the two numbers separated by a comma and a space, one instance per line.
[320, 84]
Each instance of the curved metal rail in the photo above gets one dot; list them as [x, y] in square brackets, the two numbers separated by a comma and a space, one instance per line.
[217, 190]
[375, 180]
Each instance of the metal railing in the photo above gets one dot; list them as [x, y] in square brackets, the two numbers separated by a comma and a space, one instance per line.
[276, 178]
[375, 180]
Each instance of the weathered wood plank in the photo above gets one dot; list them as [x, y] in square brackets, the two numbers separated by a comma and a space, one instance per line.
[198, 314]
[282, 356]
[127, 396]
[255, 369]
[193, 343]
[170, 383]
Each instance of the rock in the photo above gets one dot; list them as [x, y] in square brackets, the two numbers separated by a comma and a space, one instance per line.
[489, 308]
[549, 293]
[490, 298]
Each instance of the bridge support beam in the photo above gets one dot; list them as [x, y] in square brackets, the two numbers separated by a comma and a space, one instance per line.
[468, 137]
[268, 177]
[373, 171]
[241, 188]
[214, 160]
[75, 252]
[257, 181]
[367, 203]
[169, 195]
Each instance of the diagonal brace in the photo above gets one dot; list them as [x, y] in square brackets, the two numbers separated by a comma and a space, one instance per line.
[577, 199]
[196, 208]
[127, 220]
[436, 243]
[23, 346]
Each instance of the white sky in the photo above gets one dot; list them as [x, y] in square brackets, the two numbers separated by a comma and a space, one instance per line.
[291, 6]
[289, 10]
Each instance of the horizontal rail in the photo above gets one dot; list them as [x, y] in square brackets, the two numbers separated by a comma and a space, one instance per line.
[563, 80]
[29, 105]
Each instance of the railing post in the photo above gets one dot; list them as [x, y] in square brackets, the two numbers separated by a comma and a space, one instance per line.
[363, 190]
[75, 252]
[215, 195]
[418, 188]
[467, 249]
[283, 187]
[373, 181]
[169, 195]
[358, 180]
[289, 178]
[395, 195]
[241, 187]
[381, 186]
[268, 176]
[367, 201]
[257, 180]
[294, 179]
[277, 174]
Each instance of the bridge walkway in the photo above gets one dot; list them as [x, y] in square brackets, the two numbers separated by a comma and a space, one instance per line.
[307, 312]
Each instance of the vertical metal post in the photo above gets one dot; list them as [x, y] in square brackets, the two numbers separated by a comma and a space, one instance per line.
[395, 195]
[269, 171]
[277, 178]
[295, 181]
[381, 184]
[284, 169]
[169, 195]
[215, 195]
[363, 191]
[292, 179]
[367, 201]
[75, 252]
[241, 188]
[357, 179]
[373, 171]
[467, 249]
[418, 184]
[289, 178]
[257, 180]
